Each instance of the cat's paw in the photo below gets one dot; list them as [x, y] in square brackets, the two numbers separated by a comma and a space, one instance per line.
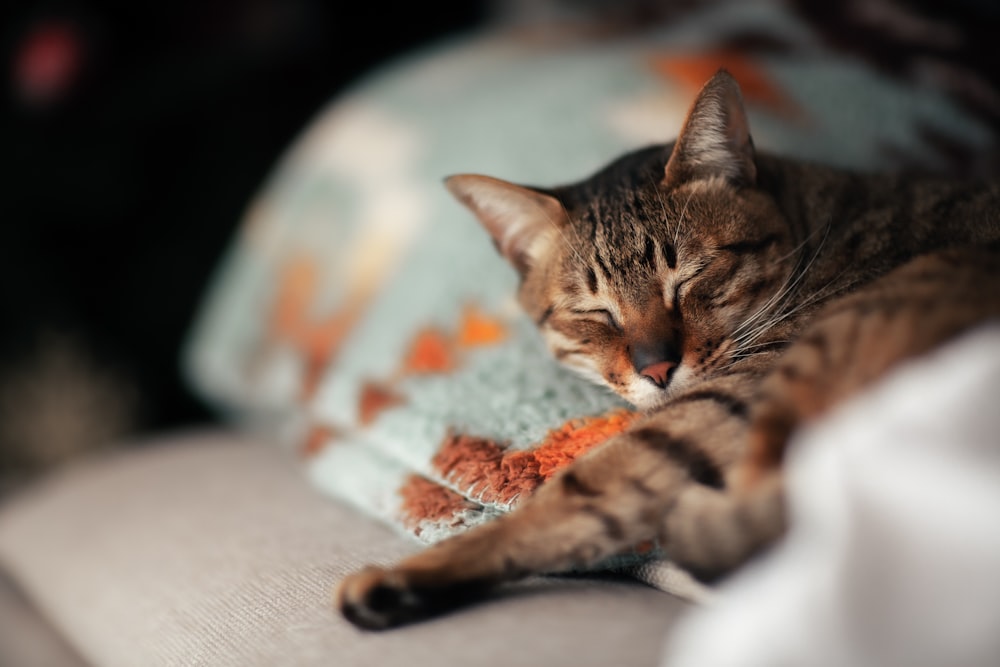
[376, 598]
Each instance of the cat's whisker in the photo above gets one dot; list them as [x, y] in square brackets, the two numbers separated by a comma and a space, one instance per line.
[768, 343]
[819, 295]
[805, 241]
[789, 284]
[764, 316]
[751, 328]
[747, 351]
[744, 338]
[680, 218]
[775, 298]
[562, 235]
[663, 207]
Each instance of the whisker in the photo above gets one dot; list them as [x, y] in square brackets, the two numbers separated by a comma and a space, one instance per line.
[663, 204]
[562, 234]
[771, 313]
[818, 295]
[791, 280]
[680, 218]
[768, 343]
[787, 286]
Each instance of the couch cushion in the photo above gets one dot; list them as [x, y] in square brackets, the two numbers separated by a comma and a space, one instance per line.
[207, 549]
[26, 637]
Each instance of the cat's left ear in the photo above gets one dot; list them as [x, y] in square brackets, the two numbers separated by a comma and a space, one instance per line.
[715, 140]
[522, 221]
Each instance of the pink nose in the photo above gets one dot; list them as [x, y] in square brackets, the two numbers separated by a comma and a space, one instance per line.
[659, 373]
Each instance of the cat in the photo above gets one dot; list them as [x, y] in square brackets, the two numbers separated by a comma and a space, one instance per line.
[732, 296]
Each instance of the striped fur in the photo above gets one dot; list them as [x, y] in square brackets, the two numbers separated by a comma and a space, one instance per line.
[733, 297]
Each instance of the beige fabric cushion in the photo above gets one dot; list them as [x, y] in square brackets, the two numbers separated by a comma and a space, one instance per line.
[26, 637]
[207, 549]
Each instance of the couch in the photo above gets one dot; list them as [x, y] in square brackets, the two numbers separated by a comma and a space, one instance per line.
[207, 549]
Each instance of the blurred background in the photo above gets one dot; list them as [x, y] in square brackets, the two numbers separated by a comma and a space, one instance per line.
[133, 136]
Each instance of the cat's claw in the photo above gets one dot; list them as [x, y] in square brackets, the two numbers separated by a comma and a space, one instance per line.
[377, 598]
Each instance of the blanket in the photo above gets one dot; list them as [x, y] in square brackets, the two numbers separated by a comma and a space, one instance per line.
[364, 318]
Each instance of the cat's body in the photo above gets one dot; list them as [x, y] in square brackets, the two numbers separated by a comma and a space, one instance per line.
[732, 296]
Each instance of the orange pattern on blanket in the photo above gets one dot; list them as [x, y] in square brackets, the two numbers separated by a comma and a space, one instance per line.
[318, 340]
[316, 440]
[292, 321]
[692, 71]
[424, 500]
[435, 351]
[479, 329]
[482, 469]
[574, 438]
[430, 352]
[375, 399]
[487, 470]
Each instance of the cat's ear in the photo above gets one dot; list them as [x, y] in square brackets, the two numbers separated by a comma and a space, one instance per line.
[715, 140]
[521, 220]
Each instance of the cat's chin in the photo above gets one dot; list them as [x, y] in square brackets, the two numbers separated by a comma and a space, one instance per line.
[649, 403]
[646, 396]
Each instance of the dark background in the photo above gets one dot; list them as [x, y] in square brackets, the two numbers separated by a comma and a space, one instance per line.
[133, 136]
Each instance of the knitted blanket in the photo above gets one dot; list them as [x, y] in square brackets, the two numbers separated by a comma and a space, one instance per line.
[365, 318]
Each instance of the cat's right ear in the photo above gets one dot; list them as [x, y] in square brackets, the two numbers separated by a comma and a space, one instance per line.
[715, 139]
[522, 221]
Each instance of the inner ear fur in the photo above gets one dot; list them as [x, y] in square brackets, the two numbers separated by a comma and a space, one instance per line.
[521, 220]
[715, 140]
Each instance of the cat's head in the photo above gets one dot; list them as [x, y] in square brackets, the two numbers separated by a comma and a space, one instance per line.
[643, 277]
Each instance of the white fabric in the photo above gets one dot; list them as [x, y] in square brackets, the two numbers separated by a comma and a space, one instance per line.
[894, 550]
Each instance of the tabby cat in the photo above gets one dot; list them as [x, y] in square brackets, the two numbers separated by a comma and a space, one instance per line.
[730, 295]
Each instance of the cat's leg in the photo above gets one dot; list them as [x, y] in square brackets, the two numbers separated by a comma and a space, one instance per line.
[598, 506]
[604, 503]
[697, 473]
[711, 532]
[855, 341]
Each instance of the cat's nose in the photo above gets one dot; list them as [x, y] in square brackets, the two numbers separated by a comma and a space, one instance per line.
[655, 363]
[658, 373]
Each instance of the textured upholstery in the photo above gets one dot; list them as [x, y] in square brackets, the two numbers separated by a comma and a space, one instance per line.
[26, 637]
[208, 549]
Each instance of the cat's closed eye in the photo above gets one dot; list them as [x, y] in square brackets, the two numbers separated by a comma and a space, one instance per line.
[600, 315]
[683, 289]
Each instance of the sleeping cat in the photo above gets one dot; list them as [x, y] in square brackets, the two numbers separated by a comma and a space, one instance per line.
[732, 296]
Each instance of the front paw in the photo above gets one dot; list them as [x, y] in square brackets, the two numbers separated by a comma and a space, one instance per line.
[376, 598]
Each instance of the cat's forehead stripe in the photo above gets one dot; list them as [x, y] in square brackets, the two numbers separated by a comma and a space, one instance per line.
[649, 252]
[669, 254]
[601, 265]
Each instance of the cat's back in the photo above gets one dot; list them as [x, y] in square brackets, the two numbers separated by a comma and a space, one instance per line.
[913, 207]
